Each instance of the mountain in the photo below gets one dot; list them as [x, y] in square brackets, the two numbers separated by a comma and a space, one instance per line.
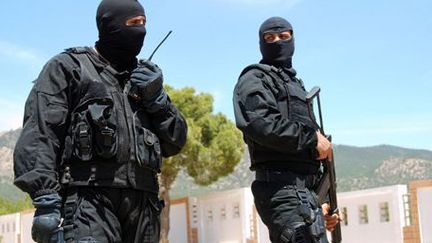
[7, 144]
[356, 168]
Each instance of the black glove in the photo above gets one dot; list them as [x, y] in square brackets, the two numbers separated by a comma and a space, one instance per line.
[47, 218]
[146, 86]
[148, 79]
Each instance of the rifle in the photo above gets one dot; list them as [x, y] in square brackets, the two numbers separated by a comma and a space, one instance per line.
[327, 185]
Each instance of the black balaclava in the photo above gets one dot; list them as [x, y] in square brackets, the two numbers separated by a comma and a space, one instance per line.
[118, 43]
[278, 53]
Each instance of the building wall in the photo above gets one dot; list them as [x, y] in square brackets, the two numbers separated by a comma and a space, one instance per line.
[263, 234]
[425, 214]
[412, 232]
[26, 220]
[179, 225]
[230, 217]
[373, 226]
[225, 217]
[9, 228]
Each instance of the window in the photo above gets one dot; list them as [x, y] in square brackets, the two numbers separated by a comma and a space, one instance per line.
[384, 212]
[363, 214]
[194, 214]
[209, 214]
[236, 211]
[406, 205]
[223, 212]
[345, 216]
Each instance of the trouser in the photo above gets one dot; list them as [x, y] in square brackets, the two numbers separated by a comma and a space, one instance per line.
[289, 209]
[111, 215]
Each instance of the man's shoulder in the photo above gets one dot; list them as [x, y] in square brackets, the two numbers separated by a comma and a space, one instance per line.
[66, 57]
[255, 71]
[254, 77]
[256, 68]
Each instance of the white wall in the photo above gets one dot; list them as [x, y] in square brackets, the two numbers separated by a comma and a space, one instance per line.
[9, 227]
[178, 223]
[25, 225]
[424, 200]
[263, 234]
[234, 227]
[374, 231]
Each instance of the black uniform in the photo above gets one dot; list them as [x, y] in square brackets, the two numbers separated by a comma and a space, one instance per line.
[271, 110]
[85, 139]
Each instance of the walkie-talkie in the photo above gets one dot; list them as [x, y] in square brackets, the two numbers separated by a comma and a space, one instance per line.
[133, 91]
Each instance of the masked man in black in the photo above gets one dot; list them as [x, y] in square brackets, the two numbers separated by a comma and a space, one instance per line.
[284, 144]
[89, 152]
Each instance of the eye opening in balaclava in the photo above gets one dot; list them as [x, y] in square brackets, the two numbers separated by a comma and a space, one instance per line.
[278, 53]
[119, 43]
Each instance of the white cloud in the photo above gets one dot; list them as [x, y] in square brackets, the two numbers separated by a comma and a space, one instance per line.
[23, 55]
[11, 115]
[409, 130]
[389, 128]
[218, 100]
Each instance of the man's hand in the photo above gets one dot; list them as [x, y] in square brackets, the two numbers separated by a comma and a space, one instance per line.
[146, 86]
[324, 147]
[47, 218]
[330, 220]
[147, 80]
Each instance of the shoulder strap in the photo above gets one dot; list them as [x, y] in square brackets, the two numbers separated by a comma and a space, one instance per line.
[80, 54]
[275, 76]
[87, 69]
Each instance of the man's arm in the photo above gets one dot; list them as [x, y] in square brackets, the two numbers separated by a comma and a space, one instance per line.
[38, 149]
[168, 124]
[171, 128]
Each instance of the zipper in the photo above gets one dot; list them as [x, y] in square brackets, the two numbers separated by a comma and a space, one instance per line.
[124, 133]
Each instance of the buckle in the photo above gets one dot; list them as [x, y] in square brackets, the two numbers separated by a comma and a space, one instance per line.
[149, 137]
[107, 134]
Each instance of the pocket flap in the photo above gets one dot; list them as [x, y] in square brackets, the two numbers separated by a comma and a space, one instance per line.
[296, 91]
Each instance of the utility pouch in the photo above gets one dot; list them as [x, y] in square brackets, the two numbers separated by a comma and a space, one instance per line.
[148, 151]
[104, 128]
[94, 131]
[82, 138]
[297, 103]
[305, 208]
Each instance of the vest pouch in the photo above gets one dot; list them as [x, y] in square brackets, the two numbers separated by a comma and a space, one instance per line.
[148, 151]
[104, 129]
[82, 138]
[297, 104]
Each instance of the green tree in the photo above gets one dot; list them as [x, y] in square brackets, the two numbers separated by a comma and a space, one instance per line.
[8, 206]
[214, 146]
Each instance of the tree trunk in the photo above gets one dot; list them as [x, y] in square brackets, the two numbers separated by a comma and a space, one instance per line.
[165, 185]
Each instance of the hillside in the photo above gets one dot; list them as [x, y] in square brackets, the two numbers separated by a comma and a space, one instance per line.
[356, 168]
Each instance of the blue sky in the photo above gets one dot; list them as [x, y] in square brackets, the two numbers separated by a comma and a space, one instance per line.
[372, 59]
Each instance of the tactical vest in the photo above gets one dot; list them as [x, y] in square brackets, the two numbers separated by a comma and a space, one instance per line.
[110, 140]
[291, 101]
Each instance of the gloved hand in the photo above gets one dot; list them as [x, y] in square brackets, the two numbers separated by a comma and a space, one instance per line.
[47, 218]
[146, 84]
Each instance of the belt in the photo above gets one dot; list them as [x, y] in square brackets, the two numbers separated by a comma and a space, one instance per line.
[286, 177]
